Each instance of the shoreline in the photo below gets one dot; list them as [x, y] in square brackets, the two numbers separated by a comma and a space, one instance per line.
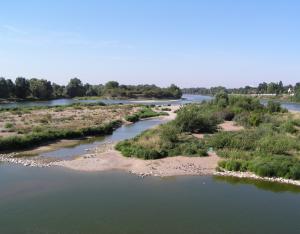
[250, 175]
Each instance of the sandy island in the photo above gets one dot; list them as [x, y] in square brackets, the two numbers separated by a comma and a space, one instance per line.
[110, 159]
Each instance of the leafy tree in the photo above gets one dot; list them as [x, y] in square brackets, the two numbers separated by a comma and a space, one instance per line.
[297, 93]
[222, 99]
[262, 88]
[4, 92]
[22, 87]
[10, 87]
[111, 85]
[90, 90]
[175, 91]
[41, 89]
[75, 88]
[58, 90]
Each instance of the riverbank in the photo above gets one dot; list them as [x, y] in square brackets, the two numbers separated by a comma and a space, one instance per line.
[250, 175]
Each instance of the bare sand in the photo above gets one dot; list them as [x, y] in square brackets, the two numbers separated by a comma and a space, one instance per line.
[230, 126]
[113, 160]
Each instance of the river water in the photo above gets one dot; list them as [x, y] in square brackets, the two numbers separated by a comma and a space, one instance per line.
[65, 101]
[186, 98]
[53, 200]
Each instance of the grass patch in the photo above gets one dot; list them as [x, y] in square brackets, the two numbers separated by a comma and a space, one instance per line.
[143, 113]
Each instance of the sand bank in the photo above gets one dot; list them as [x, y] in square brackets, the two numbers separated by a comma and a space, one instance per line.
[171, 166]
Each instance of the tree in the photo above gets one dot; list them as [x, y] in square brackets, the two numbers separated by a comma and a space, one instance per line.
[75, 88]
[297, 92]
[222, 99]
[112, 85]
[280, 87]
[90, 90]
[58, 90]
[41, 89]
[4, 93]
[10, 87]
[262, 88]
[175, 91]
[22, 87]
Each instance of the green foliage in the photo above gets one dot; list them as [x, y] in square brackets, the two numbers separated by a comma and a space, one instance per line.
[8, 125]
[143, 113]
[276, 166]
[224, 114]
[222, 99]
[192, 118]
[289, 127]
[41, 89]
[132, 118]
[164, 141]
[4, 92]
[75, 88]
[273, 107]
[22, 87]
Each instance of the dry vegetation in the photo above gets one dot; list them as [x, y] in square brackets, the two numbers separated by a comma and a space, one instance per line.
[25, 121]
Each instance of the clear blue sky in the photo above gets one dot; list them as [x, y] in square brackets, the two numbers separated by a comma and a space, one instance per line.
[189, 43]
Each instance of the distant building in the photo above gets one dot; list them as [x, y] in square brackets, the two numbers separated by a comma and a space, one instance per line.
[290, 92]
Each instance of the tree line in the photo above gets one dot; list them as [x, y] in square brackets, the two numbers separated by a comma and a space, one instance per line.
[275, 88]
[42, 89]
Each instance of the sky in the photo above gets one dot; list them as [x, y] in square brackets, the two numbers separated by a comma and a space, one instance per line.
[191, 43]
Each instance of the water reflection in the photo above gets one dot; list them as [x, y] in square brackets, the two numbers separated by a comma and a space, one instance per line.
[260, 184]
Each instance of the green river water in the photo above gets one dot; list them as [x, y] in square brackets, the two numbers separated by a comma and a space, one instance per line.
[54, 200]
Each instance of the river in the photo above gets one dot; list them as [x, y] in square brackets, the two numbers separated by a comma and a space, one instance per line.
[58, 200]
[54, 200]
[66, 101]
[186, 98]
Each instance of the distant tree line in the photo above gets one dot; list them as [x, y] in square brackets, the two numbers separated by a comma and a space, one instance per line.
[262, 88]
[42, 89]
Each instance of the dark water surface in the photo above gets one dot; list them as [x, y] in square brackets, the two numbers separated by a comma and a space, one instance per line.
[53, 200]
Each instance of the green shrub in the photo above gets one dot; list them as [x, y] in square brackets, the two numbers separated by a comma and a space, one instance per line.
[192, 119]
[164, 141]
[8, 125]
[132, 118]
[273, 107]
[276, 144]
[143, 113]
[288, 127]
